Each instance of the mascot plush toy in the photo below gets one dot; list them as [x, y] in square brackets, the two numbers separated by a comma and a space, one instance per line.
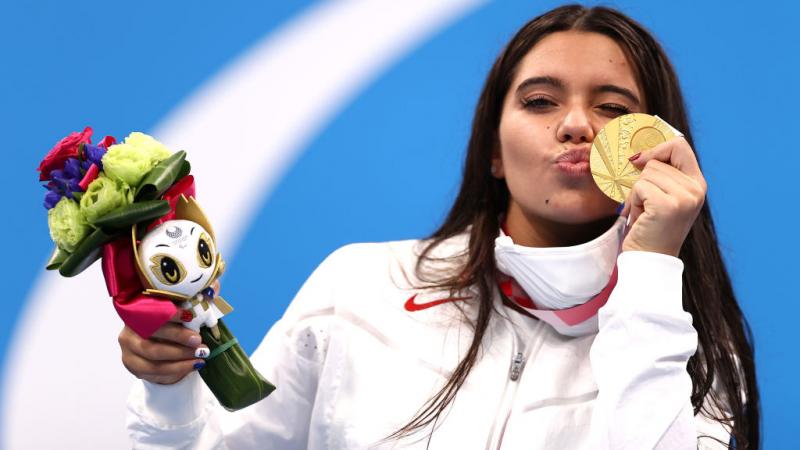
[177, 259]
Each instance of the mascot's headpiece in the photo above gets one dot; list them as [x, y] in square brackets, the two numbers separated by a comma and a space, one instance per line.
[176, 257]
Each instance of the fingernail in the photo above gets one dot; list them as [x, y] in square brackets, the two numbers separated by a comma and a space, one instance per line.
[195, 340]
[201, 352]
[620, 208]
[199, 365]
[186, 316]
[635, 157]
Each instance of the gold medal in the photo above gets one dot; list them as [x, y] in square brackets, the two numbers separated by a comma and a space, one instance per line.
[620, 139]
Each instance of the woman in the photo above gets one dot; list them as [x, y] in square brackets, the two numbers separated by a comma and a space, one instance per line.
[479, 336]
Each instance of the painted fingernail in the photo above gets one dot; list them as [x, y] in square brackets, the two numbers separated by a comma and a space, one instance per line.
[195, 340]
[199, 365]
[620, 208]
[186, 316]
[635, 157]
[201, 352]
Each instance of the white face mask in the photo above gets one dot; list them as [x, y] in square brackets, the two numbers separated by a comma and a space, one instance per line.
[561, 277]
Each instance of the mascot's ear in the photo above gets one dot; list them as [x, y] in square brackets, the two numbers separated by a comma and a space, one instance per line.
[189, 209]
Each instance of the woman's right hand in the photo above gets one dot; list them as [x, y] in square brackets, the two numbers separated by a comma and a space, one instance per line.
[171, 353]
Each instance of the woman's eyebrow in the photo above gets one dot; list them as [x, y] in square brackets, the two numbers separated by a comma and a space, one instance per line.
[544, 80]
[617, 90]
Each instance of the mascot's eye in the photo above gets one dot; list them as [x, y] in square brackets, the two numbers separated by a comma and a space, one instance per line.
[204, 256]
[167, 269]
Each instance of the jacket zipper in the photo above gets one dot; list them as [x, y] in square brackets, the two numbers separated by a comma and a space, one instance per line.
[510, 389]
[516, 366]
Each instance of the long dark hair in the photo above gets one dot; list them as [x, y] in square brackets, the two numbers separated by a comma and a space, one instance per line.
[725, 349]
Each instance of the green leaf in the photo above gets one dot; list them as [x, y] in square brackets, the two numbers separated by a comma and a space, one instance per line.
[89, 250]
[185, 169]
[161, 177]
[122, 218]
[58, 257]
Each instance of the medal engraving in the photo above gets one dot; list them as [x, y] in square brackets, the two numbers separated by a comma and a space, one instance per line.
[620, 139]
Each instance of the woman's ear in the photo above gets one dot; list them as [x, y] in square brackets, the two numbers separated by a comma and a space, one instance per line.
[496, 169]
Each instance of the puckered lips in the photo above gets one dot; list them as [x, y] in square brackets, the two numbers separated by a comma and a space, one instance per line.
[574, 161]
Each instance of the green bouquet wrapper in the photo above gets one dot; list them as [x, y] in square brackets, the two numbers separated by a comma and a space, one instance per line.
[229, 374]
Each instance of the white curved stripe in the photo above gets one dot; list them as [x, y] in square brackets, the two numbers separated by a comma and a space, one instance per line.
[246, 128]
[65, 387]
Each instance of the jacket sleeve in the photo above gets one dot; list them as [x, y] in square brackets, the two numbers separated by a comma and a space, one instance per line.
[185, 415]
[639, 359]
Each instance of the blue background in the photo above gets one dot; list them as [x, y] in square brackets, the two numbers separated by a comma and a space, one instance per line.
[387, 167]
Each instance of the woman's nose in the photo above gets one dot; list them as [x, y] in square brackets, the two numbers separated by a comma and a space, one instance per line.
[575, 127]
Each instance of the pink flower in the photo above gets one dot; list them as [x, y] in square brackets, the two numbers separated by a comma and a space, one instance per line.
[65, 149]
[90, 176]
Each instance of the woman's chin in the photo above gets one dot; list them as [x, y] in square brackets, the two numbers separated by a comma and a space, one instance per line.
[578, 209]
[581, 217]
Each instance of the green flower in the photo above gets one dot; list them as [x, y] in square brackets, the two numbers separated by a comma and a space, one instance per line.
[103, 196]
[68, 227]
[154, 150]
[131, 160]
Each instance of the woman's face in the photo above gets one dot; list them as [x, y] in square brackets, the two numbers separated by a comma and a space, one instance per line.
[565, 89]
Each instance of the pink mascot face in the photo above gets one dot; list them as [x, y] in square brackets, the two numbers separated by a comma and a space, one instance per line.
[178, 256]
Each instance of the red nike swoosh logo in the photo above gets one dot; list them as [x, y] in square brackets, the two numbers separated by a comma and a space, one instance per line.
[412, 306]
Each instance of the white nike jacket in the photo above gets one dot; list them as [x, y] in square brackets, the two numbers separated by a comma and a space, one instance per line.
[356, 355]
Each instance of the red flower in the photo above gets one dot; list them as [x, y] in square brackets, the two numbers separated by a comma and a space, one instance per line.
[107, 141]
[66, 148]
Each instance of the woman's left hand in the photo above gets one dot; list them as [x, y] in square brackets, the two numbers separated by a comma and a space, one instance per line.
[665, 201]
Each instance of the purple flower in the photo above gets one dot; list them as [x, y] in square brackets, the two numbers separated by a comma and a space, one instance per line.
[72, 169]
[51, 199]
[94, 154]
[56, 174]
[65, 187]
[72, 187]
[63, 182]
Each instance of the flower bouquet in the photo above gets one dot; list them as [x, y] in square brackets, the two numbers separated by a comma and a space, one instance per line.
[132, 205]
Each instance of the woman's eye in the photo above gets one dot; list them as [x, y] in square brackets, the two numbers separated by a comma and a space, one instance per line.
[167, 269]
[537, 103]
[615, 108]
[204, 255]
